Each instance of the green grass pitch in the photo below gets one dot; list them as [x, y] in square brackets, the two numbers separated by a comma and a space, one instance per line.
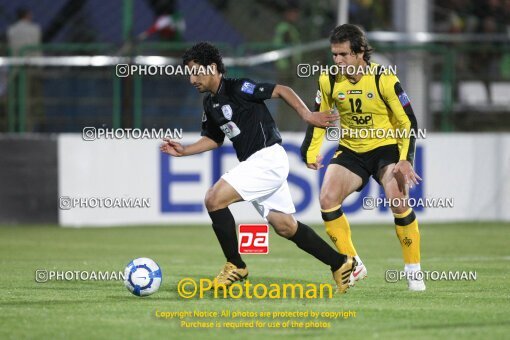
[106, 310]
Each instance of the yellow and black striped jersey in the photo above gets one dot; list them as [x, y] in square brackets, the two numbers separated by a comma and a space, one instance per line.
[368, 110]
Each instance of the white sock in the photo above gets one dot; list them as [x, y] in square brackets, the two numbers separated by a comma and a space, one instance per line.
[413, 267]
[358, 260]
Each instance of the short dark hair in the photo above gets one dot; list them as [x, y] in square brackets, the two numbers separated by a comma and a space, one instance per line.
[21, 13]
[355, 35]
[204, 54]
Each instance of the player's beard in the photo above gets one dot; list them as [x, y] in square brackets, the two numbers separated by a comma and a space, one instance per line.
[201, 89]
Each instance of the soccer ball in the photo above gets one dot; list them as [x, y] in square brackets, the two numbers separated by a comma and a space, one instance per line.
[142, 277]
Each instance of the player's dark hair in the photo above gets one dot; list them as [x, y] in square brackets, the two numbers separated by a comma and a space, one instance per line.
[21, 13]
[204, 54]
[355, 35]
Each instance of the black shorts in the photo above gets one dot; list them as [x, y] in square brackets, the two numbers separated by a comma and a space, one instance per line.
[366, 164]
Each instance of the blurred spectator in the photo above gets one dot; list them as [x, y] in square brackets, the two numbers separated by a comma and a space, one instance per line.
[455, 16]
[367, 13]
[287, 34]
[471, 16]
[487, 62]
[489, 17]
[505, 61]
[506, 15]
[492, 17]
[170, 27]
[23, 33]
[169, 24]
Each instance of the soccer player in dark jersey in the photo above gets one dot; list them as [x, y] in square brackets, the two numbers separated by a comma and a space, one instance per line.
[371, 100]
[235, 108]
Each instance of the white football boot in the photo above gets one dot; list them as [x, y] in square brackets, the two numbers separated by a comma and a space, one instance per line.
[359, 273]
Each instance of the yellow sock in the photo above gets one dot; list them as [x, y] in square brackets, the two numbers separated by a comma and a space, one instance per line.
[338, 229]
[406, 226]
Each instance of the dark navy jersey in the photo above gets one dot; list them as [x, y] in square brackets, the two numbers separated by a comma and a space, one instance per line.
[238, 112]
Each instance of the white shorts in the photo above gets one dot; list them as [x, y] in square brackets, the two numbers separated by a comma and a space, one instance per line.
[262, 180]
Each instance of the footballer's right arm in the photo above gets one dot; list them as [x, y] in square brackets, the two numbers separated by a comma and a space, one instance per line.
[314, 137]
[176, 149]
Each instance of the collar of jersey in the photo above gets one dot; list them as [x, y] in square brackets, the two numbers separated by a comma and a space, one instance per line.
[220, 88]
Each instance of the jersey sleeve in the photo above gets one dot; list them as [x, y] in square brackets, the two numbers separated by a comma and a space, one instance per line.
[211, 130]
[402, 116]
[254, 92]
[311, 146]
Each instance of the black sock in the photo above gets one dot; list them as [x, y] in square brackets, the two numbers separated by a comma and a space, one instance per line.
[225, 229]
[308, 240]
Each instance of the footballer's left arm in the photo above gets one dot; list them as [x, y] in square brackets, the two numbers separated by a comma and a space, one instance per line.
[401, 108]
